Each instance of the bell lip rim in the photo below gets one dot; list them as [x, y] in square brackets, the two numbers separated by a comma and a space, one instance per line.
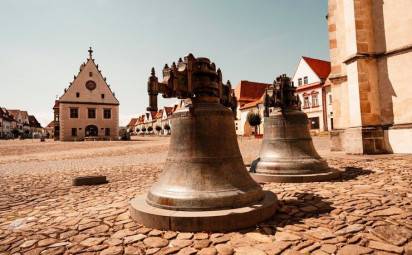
[206, 220]
[331, 175]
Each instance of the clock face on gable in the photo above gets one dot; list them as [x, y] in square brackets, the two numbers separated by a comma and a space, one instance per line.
[90, 85]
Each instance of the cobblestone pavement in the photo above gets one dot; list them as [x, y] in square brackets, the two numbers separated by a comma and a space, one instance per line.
[368, 211]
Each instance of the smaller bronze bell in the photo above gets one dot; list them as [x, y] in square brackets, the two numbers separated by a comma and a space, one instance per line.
[287, 153]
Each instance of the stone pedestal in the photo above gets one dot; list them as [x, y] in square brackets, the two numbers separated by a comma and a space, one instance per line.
[361, 140]
[206, 220]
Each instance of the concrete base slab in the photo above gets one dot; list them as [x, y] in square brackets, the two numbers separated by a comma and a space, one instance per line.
[318, 177]
[193, 221]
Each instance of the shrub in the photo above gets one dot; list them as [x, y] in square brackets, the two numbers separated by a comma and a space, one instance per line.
[254, 120]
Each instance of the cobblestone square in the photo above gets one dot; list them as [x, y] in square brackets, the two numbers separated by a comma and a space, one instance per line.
[367, 211]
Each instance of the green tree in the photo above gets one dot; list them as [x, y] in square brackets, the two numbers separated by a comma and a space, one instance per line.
[254, 120]
[167, 128]
[158, 129]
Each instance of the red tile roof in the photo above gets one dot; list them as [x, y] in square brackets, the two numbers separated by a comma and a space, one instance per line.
[33, 122]
[169, 110]
[5, 114]
[132, 122]
[248, 91]
[159, 114]
[254, 103]
[140, 119]
[153, 114]
[320, 67]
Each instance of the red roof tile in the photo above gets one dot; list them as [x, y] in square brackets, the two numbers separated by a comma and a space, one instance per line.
[320, 67]
[153, 114]
[33, 122]
[132, 122]
[169, 110]
[254, 103]
[248, 91]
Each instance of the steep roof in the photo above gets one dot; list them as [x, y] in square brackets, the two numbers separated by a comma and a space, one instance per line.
[91, 81]
[169, 110]
[320, 67]
[141, 119]
[5, 114]
[248, 91]
[254, 103]
[132, 122]
[153, 114]
[159, 114]
[13, 112]
[33, 122]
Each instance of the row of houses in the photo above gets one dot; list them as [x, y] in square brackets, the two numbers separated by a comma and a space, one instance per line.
[153, 122]
[14, 123]
[313, 89]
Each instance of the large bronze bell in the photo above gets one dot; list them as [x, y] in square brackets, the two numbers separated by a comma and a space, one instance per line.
[204, 185]
[287, 153]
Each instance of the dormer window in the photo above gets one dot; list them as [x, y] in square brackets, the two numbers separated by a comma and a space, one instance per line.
[299, 81]
[77, 94]
[305, 80]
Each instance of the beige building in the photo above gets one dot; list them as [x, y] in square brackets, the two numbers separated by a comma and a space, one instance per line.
[371, 58]
[249, 97]
[313, 89]
[88, 109]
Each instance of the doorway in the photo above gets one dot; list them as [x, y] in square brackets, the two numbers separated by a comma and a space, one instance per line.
[91, 130]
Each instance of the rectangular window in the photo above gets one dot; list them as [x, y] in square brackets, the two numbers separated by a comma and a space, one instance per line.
[107, 131]
[330, 98]
[91, 113]
[74, 113]
[74, 131]
[107, 113]
[299, 81]
[77, 94]
[315, 101]
[102, 95]
[314, 123]
[306, 103]
[305, 80]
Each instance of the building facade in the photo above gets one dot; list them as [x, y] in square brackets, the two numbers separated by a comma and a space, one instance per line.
[154, 119]
[249, 97]
[371, 57]
[6, 123]
[88, 109]
[314, 92]
[21, 121]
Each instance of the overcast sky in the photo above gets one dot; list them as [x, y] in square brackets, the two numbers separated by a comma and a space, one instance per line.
[43, 43]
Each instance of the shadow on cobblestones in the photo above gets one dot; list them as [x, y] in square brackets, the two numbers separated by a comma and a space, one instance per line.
[295, 208]
[351, 173]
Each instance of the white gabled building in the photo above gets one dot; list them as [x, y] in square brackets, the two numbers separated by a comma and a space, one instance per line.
[313, 89]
